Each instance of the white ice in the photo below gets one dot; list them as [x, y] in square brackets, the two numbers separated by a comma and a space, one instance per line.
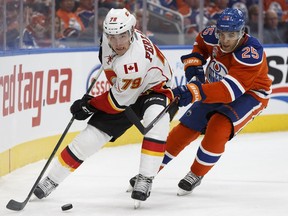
[251, 179]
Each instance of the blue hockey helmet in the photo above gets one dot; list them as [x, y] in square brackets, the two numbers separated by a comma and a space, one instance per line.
[231, 20]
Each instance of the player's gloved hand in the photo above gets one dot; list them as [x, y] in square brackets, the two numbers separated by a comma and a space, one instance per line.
[193, 66]
[195, 71]
[189, 93]
[81, 109]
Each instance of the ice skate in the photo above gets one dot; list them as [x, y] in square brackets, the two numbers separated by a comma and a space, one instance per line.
[188, 183]
[44, 188]
[131, 183]
[142, 189]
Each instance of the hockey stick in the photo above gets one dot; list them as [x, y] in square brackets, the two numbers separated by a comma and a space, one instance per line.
[18, 206]
[133, 118]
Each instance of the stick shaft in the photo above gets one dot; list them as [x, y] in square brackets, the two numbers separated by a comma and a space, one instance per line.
[133, 118]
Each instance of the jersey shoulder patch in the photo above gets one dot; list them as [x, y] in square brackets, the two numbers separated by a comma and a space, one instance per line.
[250, 53]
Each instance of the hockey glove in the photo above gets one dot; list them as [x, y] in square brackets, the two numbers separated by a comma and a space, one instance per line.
[189, 93]
[193, 66]
[195, 71]
[81, 109]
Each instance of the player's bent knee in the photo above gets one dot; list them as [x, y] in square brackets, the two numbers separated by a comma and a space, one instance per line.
[161, 128]
[88, 141]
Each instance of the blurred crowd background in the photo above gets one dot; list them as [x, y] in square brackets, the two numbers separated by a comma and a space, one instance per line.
[31, 24]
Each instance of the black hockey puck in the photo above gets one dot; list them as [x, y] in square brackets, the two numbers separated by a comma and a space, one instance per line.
[67, 207]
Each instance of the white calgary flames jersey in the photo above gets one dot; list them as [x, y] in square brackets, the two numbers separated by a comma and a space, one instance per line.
[141, 69]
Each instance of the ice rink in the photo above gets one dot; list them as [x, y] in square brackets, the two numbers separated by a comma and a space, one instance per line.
[251, 179]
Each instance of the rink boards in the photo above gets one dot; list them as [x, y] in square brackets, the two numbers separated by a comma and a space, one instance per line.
[37, 89]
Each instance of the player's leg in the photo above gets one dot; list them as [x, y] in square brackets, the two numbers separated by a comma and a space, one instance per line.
[86, 143]
[222, 127]
[102, 127]
[179, 137]
[191, 123]
[209, 152]
[153, 147]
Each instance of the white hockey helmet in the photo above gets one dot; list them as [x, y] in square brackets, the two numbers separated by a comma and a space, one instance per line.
[118, 21]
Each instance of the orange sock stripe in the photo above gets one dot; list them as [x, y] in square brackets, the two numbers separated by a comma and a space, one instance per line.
[68, 159]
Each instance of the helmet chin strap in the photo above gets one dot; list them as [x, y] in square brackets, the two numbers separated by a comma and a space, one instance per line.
[131, 32]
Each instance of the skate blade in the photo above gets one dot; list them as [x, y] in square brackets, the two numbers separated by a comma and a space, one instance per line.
[129, 189]
[182, 192]
[137, 204]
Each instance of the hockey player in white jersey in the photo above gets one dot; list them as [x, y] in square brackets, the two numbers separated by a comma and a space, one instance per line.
[141, 78]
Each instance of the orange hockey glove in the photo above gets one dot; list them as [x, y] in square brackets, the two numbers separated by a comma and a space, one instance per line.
[189, 93]
[193, 66]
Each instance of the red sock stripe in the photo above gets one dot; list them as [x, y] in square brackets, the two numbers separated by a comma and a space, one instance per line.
[70, 159]
[153, 145]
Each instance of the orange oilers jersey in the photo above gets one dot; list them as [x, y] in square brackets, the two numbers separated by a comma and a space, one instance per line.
[229, 75]
[67, 16]
[143, 68]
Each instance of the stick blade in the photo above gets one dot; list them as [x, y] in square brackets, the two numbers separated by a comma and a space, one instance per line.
[15, 206]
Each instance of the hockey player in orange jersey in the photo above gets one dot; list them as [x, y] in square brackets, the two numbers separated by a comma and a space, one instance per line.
[234, 90]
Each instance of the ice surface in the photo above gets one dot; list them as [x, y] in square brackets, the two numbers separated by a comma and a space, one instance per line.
[251, 179]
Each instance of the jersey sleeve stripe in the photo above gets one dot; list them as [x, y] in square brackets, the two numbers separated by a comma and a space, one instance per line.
[262, 94]
[234, 87]
[114, 103]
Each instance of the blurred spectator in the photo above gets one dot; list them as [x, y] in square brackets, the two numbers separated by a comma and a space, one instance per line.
[72, 22]
[62, 35]
[59, 30]
[139, 24]
[85, 11]
[279, 6]
[220, 5]
[1, 27]
[247, 3]
[274, 32]
[177, 5]
[129, 5]
[102, 12]
[89, 34]
[31, 7]
[253, 14]
[241, 6]
[192, 19]
[12, 22]
[39, 6]
[35, 33]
